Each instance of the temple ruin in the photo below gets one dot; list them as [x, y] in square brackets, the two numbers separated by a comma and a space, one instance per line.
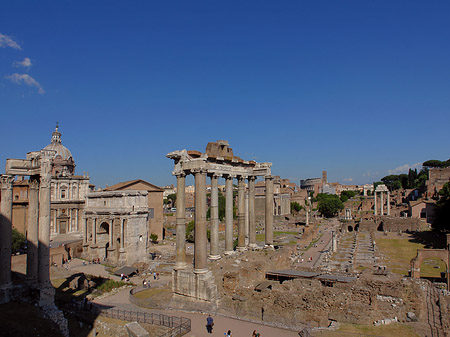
[218, 161]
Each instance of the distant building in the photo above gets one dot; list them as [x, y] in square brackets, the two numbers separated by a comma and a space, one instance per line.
[155, 202]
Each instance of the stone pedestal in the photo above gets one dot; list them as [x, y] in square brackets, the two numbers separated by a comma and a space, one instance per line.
[46, 296]
[200, 286]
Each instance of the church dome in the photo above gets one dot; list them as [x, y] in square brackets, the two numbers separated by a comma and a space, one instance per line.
[63, 163]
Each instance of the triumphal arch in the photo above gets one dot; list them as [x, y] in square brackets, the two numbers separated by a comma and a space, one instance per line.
[218, 161]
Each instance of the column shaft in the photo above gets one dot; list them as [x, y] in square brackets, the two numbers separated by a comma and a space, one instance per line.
[381, 203]
[200, 251]
[229, 215]
[388, 204]
[44, 223]
[6, 230]
[122, 233]
[181, 222]
[33, 230]
[111, 234]
[251, 211]
[214, 246]
[94, 231]
[269, 211]
[85, 231]
[375, 211]
[241, 214]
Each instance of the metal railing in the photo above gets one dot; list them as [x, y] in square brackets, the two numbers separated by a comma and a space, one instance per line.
[178, 326]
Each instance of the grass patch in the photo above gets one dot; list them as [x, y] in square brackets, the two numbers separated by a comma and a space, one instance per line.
[109, 285]
[282, 233]
[432, 267]
[398, 253]
[261, 237]
[391, 330]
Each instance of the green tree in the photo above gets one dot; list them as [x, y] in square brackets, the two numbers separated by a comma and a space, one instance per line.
[434, 163]
[190, 231]
[441, 222]
[18, 241]
[329, 204]
[171, 198]
[345, 195]
[295, 207]
[154, 238]
[392, 182]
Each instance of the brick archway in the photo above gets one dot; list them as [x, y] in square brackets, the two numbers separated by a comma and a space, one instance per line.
[425, 254]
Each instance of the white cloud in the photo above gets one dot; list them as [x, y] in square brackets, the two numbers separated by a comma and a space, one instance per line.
[6, 41]
[405, 168]
[26, 79]
[26, 63]
[348, 179]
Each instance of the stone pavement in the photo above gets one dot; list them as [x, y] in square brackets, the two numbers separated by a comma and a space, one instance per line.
[198, 321]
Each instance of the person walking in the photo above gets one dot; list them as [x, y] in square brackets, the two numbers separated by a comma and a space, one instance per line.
[209, 324]
[228, 334]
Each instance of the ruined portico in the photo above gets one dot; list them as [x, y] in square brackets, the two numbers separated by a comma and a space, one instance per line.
[38, 166]
[217, 162]
[381, 189]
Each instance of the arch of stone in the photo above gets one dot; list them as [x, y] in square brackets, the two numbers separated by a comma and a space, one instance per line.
[217, 162]
[37, 166]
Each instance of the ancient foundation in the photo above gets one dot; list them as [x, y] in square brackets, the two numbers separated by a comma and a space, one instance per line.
[200, 286]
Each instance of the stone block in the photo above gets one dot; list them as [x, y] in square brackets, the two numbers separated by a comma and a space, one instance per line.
[134, 329]
[200, 286]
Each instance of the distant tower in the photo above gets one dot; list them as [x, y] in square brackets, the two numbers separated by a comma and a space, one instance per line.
[324, 177]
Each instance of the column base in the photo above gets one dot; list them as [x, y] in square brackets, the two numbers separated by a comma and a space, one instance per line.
[241, 249]
[200, 271]
[253, 246]
[180, 265]
[269, 247]
[214, 257]
[46, 295]
[200, 286]
[228, 252]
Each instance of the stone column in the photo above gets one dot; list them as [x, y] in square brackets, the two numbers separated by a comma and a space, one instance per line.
[122, 235]
[214, 246]
[44, 220]
[241, 214]
[375, 211]
[200, 250]
[76, 221]
[6, 231]
[85, 231]
[251, 212]
[246, 221]
[388, 204]
[33, 230]
[269, 211]
[111, 235]
[229, 214]
[181, 222]
[381, 203]
[94, 232]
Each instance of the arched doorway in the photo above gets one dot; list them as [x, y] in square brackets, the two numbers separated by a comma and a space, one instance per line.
[350, 228]
[380, 227]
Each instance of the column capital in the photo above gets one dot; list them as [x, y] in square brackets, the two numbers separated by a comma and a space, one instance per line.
[199, 170]
[251, 178]
[180, 174]
[268, 177]
[229, 176]
[241, 178]
[7, 181]
[33, 183]
[214, 175]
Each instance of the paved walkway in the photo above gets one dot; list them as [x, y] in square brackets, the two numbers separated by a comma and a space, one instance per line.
[198, 321]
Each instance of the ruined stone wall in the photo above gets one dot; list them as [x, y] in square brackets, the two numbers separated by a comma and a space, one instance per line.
[390, 224]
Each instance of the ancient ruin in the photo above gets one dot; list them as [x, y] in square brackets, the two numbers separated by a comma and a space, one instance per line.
[217, 161]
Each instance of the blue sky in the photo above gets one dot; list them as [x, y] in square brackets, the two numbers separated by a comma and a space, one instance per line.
[358, 88]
